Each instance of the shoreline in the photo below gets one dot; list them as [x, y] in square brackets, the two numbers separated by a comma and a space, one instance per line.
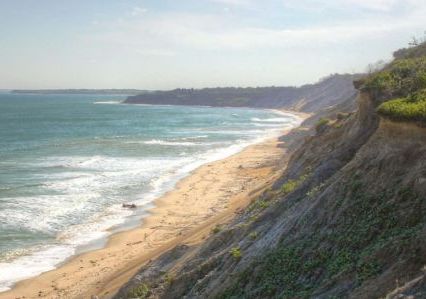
[177, 217]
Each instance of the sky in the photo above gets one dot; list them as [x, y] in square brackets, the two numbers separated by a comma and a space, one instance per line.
[155, 44]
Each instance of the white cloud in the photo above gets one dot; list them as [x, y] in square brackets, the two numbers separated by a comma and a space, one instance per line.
[167, 33]
[388, 5]
[234, 2]
[137, 11]
[378, 6]
[155, 52]
[208, 49]
[179, 31]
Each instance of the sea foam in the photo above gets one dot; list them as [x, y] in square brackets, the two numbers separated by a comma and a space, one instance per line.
[81, 195]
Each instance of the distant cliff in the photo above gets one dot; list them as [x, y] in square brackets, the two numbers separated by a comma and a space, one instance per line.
[307, 98]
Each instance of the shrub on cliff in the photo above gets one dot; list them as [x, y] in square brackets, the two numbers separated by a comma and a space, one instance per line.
[321, 125]
[400, 78]
[400, 88]
[140, 291]
[411, 108]
[236, 253]
[292, 185]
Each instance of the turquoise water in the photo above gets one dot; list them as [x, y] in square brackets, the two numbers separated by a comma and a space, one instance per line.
[68, 162]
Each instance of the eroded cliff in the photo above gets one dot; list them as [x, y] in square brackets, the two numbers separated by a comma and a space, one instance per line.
[347, 219]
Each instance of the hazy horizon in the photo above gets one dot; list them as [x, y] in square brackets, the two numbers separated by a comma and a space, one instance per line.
[179, 87]
[194, 44]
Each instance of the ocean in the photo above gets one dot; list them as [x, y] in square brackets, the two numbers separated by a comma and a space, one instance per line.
[68, 162]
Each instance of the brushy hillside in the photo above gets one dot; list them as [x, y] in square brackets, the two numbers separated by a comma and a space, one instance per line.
[401, 86]
[347, 219]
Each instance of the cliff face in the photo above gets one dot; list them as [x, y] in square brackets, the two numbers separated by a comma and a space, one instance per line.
[308, 98]
[347, 219]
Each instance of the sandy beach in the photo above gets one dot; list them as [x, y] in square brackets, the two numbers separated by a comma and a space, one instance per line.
[210, 195]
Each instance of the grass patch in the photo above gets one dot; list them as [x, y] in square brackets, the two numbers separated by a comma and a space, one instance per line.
[141, 291]
[236, 253]
[253, 235]
[292, 185]
[259, 205]
[321, 124]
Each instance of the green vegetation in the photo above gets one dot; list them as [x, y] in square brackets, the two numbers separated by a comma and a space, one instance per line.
[140, 292]
[292, 185]
[337, 125]
[216, 229]
[253, 218]
[169, 278]
[401, 78]
[253, 235]
[289, 186]
[411, 108]
[322, 123]
[371, 232]
[400, 88]
[367, 270]
[236, 253]
[259, 205]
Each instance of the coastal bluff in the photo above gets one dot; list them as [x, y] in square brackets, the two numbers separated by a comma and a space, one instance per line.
[346, 219]
[307, 98]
